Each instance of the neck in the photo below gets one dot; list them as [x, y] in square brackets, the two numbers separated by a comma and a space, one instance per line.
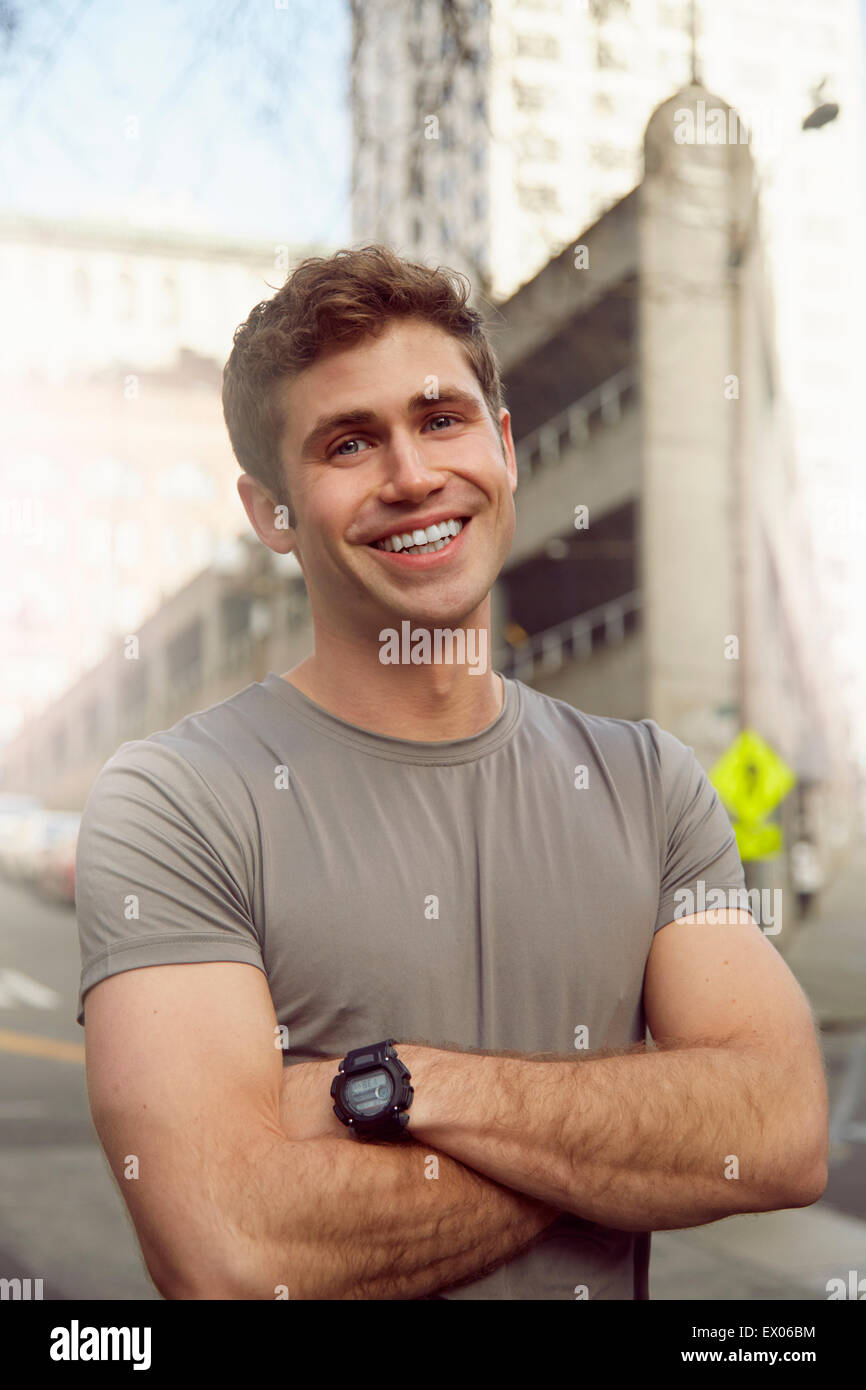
[432, 701]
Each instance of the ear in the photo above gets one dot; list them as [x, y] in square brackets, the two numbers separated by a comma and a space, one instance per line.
[271, 521]
[508, 448]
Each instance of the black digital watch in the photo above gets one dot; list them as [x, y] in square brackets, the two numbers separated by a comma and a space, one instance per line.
[371, 1092]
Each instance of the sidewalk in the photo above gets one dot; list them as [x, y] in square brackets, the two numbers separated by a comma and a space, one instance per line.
[828, 954]
[789, 1254]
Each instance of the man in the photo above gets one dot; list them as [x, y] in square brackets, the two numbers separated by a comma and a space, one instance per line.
[368, 850]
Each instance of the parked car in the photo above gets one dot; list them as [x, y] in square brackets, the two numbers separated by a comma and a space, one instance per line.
[55, 876]
[38, 833]
[20, 817]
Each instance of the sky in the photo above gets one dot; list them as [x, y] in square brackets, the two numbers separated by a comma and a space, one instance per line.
[223, 117]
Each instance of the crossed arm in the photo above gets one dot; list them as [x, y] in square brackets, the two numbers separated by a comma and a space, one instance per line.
[726, 1114]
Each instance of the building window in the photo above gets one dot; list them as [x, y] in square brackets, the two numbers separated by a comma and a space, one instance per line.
[537, 46]
[533, 145]
[606, 56]
[538, 198]
[608, 156]
[446, 186]
[529, 98]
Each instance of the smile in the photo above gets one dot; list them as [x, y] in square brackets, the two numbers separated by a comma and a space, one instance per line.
[422, 542]
[408, 549]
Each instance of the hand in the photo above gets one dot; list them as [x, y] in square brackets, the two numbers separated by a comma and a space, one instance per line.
[306, 1107]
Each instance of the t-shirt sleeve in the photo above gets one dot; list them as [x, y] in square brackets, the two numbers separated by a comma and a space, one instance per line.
[162, 875]
[701, 847]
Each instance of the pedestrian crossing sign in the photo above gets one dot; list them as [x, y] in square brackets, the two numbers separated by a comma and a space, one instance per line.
[751, 778]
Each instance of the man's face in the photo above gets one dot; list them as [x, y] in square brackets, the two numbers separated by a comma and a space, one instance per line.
[421, 453]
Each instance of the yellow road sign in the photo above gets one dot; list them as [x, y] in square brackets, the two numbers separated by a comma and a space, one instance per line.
[751, 778]
[757, 841]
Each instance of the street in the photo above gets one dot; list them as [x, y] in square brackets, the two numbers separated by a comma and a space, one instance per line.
[62, 1219]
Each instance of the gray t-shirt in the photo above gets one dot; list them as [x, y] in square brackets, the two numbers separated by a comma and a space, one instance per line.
[498, 892]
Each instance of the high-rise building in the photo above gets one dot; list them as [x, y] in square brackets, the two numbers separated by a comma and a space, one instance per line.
[489, 134]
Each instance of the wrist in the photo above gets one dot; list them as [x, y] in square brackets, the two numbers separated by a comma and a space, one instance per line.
[431, 1069]
[306, 1110]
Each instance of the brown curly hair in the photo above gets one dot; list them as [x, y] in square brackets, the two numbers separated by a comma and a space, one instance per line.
[337, 299]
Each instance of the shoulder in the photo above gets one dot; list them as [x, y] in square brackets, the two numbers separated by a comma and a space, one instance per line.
[609, 736]
[197, 765]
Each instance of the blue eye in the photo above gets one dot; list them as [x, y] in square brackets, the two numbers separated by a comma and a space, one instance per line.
[347, 441]
[357, 439]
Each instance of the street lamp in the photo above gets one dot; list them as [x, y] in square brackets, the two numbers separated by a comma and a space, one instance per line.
[824, 111]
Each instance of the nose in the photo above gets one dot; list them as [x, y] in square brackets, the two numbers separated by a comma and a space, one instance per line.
[408, 474]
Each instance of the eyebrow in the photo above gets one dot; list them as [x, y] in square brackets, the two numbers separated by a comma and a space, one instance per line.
[354, 419]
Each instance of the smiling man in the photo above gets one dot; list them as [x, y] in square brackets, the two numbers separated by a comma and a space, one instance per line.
[406, 445]
[370, 950]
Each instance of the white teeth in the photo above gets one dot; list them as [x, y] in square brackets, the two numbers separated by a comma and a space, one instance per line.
[423, 542]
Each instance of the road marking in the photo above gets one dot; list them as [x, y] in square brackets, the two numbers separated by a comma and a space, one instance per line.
[18, 988]
[29, 1045]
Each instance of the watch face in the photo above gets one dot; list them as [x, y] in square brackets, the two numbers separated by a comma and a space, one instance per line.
[369, 1094]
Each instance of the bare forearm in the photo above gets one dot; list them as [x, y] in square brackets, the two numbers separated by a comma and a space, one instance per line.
[645, 1140]
[330, 1218]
